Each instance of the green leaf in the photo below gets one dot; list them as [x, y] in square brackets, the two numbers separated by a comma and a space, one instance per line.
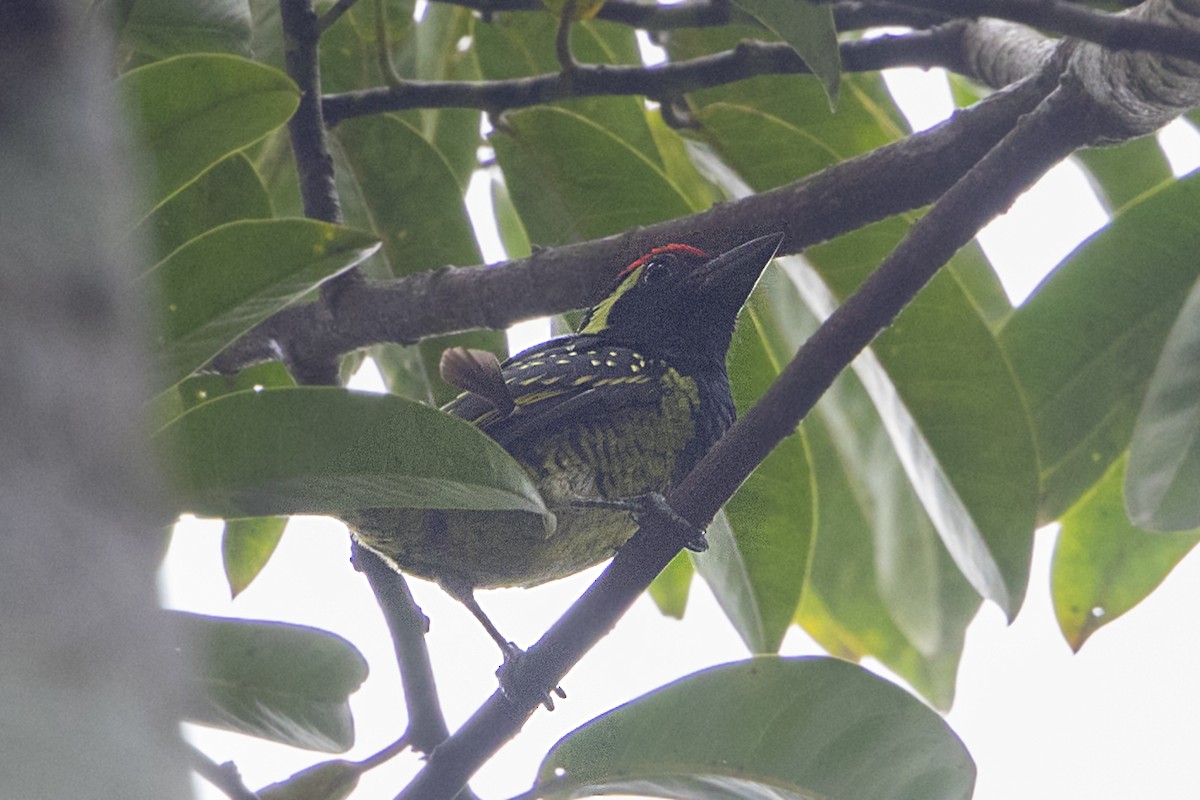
[410, 194]
[759, 554]
[329, 780]
[1083, 347]
[228, 192]
[324, 451]
[224, 282]
[285, 683]
[953, 411]
[724, 569]
[350, 57]
[403, 371]
[1104, 566]
[202, 388]
[275, 164]
[512, 232]
[1122, 173]
[572, 180]
[1164, 454]
[162, 28]
[246, 547]
[671, 587]
[679, 167]
[795, 729]
[810, 30]
[982, 285]
[881, 584]
[437, 57]
[195, 110]
[267, 33]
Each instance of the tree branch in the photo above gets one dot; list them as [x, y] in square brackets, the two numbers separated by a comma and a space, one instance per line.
[635, 13]
[1125, 31]
[307, 131]
[904, 175]
[937, 47]
[1137, 92]
[848, 15]
[223, 776]
[407, 625]
[301, 34]
[1033, 146]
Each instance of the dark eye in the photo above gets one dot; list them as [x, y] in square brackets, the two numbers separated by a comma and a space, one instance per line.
[658, 268]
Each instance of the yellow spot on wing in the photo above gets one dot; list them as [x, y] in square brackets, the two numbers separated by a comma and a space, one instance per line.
[534, 397]
[485, 418]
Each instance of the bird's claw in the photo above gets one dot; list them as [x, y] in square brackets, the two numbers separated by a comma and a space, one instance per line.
[515, 691]
[653, 507]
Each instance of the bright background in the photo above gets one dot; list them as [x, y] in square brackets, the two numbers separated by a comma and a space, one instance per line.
[1116, 721]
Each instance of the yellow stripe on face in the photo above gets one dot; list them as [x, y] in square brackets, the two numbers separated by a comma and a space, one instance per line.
[598, 321]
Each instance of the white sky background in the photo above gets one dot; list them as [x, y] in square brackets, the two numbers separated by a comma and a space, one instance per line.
[1118, 720]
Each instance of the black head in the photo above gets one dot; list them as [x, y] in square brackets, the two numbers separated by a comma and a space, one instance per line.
[679, 301]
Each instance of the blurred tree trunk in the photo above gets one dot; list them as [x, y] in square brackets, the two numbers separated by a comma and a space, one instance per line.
[88, 706]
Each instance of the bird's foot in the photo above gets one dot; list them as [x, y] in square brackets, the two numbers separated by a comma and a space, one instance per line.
[654, 509]
[516, 690]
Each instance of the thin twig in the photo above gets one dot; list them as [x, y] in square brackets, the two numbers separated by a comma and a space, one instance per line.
[562, 40]
[383, 47]
[937, 47]
[223, 776]
[386, 754]
[1033, 146]
[326, 20]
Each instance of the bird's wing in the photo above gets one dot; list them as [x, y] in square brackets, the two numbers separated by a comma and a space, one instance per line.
[563, 380]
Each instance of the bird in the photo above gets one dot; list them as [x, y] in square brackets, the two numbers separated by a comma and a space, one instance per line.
[605, 421]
